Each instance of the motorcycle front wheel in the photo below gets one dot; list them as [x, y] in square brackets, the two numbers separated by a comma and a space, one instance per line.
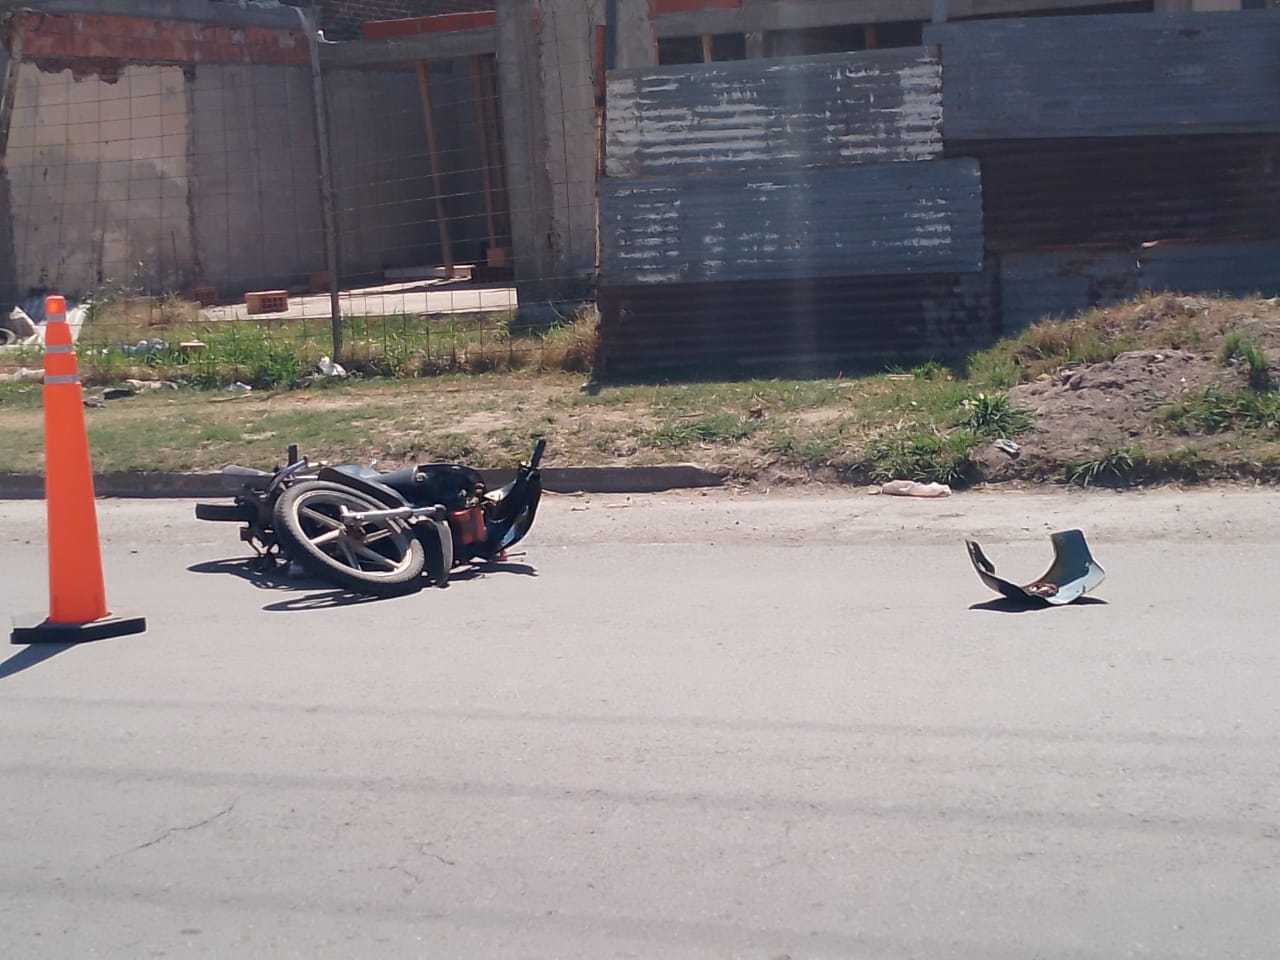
[381, 558]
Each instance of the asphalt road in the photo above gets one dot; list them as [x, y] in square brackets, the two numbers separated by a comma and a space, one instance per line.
[680, 726]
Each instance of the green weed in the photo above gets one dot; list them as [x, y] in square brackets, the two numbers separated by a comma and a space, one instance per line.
[923, 455]
[1115, 467]
[716, 428]
[994, 415]
[1235, 348]
[818, 449]
[931, 370]
[1216, 411]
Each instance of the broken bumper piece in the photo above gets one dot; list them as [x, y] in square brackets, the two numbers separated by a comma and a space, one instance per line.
[1073, 574]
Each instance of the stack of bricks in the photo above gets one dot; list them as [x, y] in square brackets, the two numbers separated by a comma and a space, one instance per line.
[146, 40]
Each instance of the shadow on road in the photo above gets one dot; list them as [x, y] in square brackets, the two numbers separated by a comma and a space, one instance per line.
[31, 655]
[275, 576]
[265, 576]
[326, 600]
[1010, 605]
[335, 597]
[484, 569]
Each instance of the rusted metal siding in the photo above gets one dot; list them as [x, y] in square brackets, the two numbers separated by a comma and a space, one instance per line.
[868, 220]
[1118, 75]
[1063, 282]
[791, 113]
[1108, 155]
[1108, 191]
[844, 323]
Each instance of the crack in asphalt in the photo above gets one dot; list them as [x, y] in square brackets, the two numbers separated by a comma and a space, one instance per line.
[171, 831]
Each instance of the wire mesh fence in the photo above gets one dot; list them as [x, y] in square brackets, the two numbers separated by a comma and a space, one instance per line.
[216, 220]
[245, 203]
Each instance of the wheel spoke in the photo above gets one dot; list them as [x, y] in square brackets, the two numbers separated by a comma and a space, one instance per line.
[327, 537]
[380, 534]
[374, 556]
[315, 516]
[347, 555]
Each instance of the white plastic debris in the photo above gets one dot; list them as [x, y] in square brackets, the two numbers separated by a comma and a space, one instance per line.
[910, 488]
[239, 387]
[331, 369]
[21, 324]
[139, 385]
[23, 374]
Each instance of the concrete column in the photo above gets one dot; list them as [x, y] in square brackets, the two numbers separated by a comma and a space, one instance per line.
[9, 293]
[636, 41]
[753, 37]
[545, 63]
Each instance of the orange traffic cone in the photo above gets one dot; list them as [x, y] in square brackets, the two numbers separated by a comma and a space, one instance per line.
[77, 600]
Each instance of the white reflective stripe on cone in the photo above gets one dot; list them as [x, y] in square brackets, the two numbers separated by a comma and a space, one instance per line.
[62, 378]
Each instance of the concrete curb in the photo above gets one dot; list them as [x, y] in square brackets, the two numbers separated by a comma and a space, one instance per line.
[157, 484]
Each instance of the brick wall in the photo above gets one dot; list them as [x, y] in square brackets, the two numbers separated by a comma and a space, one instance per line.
[112, 41]
[341, 19]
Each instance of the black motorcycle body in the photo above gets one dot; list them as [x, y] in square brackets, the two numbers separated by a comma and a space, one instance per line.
[378, 533]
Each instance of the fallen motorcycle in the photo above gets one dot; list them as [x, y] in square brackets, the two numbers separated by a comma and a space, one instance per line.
[377, 533]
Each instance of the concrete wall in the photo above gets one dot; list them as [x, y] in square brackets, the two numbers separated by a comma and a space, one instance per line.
[691, 18]
[386, 197]
[164, 176]
[158, 177]
[99, 179]
[255, 201]
[154, 145]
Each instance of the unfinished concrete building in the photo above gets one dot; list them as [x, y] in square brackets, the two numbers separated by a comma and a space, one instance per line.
[733, 180]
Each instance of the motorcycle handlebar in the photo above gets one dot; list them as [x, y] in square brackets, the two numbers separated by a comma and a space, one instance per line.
[538, 449]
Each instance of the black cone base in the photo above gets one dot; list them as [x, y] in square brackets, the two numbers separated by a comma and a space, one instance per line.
[46, 631]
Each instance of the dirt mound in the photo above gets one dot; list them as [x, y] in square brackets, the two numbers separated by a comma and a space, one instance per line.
[1083, 411]
[1089, 409]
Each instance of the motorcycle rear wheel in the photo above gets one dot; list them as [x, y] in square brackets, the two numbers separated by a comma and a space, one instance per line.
[380, 558]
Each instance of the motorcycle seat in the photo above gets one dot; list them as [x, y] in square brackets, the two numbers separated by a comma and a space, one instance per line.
[429, 483]
[402, 481]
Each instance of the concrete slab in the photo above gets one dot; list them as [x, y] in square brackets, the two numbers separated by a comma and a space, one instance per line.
[410, 298]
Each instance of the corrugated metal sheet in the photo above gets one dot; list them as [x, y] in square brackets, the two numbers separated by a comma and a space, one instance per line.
[1063, 282]
[787, 112]
[1108, 191]
[1115, 75]
[823, 323]
[868, 220]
